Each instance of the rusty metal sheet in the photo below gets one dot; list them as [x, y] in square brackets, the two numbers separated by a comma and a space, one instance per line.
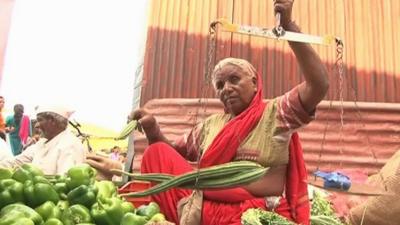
[369, 136]
[178, 42]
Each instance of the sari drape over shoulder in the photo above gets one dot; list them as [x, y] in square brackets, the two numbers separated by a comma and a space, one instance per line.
[223, 148]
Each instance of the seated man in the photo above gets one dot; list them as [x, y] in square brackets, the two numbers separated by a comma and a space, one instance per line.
[58, 150]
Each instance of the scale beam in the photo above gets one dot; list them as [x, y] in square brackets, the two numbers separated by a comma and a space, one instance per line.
[275, 34]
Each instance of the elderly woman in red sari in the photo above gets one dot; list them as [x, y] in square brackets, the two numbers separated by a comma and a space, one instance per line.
[248, 130]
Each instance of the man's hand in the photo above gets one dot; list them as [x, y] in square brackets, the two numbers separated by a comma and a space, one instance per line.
[104, 165]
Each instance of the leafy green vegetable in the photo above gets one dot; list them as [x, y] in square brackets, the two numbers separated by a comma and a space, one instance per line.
[262, 217]
[322, 212]
[325, 220]
[321, 206]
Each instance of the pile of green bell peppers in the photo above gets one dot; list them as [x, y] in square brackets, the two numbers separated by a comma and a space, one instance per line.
[28, 197]
[38, 191]
[17, 214]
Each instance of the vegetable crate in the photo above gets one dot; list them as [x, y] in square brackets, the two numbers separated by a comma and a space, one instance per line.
[134, 186]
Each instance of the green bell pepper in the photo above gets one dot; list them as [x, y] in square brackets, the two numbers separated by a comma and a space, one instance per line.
[11, 191]
[11, 217]
[158, 217]
[127, 207]
[38, 193]
[48, 210]
[107, 189]
[148, 210]
[63, 205]
[107, 211]
[53, 221]
[84, 195]
[56, 178]
[80, 174]
[133, 219]
[15, 218]
[61, 189]
[23, 210]
[60, 178]
[76, 214]
[24, 221]
[40, 179]
[5, 173]
[26, 172]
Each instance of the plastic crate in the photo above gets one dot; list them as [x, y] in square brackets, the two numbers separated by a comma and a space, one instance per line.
[134, 186]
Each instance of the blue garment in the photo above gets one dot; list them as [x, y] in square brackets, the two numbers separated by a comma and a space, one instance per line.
[334, 180]
[15, 140]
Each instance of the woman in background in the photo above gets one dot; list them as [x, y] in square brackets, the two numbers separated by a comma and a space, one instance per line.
[19, 129]
[36, 135]
[2, 122]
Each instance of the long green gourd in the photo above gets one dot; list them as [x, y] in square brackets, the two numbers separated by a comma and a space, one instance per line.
[241, 178]
[127, 130]
[234, 173]
[153, 177]
[214, 171]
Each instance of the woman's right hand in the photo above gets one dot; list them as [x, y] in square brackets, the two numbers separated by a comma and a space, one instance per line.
[148, 123]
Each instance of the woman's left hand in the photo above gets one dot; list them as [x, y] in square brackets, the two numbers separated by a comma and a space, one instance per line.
[148, 122]
[104, 165]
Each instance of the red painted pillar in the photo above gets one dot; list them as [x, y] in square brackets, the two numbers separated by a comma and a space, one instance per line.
[6, 7]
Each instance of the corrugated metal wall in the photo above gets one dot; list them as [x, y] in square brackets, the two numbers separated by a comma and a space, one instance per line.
[6, 7]
[370, 134]
[178, 42]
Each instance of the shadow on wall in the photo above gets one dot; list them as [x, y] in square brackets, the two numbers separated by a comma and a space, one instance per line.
[175, 61]
[325, 142]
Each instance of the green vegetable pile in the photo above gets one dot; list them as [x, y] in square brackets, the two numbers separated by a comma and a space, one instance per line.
[322, 212]
[261, 217]
[28, 197]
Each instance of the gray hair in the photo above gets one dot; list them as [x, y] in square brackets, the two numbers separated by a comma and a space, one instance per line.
[244, 65]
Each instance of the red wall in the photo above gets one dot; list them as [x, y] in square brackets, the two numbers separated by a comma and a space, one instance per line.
[6, 7]
[369, 136]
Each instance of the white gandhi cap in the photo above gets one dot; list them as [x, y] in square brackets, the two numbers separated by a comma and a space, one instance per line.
[60, 110]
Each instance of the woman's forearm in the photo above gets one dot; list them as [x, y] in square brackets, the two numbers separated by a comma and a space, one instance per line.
[314, 72]
[155, 135]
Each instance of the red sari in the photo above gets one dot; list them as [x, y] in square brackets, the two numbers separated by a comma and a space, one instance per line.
[161, 158]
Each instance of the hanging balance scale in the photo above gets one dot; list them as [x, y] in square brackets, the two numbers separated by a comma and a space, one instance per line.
[341, 183]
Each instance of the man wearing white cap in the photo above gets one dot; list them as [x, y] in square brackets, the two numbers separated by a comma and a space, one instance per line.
[58, 150]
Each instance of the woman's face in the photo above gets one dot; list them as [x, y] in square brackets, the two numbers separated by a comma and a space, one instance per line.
[234, 88]
[19, 109]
